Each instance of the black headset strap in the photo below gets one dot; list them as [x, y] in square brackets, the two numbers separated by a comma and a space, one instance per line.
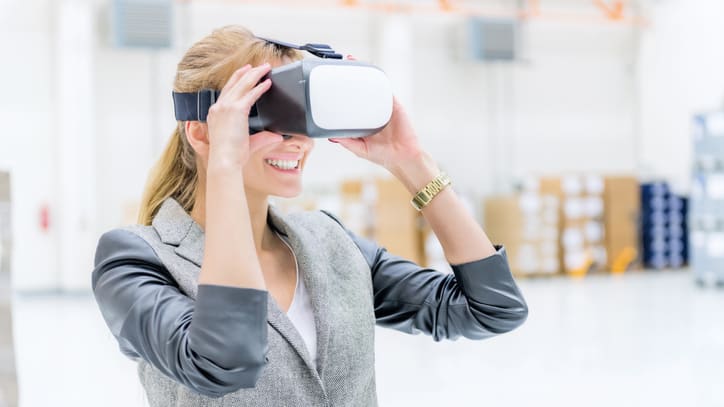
[194, 106]
[319, 50]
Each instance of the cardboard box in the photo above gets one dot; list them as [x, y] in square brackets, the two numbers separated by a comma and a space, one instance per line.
[503, 220]
[622, 211]
[380, 209]
[550, 186]
[397, 224]
[525, 226]
[581, 223]
[356, 207]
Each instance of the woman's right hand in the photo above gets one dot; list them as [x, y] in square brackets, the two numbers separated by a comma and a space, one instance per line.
[228, 118]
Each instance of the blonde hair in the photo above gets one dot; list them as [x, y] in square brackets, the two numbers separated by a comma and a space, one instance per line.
[207, 64]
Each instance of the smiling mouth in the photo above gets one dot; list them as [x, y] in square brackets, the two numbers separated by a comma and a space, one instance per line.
[284, 164]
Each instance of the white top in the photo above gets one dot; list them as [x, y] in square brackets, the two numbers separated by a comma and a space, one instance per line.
[301, 312]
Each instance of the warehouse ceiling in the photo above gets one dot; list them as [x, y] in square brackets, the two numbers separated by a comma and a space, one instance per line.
[594, 11]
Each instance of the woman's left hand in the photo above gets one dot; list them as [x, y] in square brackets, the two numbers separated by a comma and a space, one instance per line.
[391, 146]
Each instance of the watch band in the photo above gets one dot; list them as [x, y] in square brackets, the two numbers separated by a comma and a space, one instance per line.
[422, 198]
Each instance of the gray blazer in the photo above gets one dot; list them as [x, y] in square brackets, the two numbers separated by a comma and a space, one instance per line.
[208, 345]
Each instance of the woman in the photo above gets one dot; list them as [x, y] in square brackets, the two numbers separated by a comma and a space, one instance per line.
[224, 301]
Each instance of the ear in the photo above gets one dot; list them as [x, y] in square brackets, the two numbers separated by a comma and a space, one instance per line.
[197, 134]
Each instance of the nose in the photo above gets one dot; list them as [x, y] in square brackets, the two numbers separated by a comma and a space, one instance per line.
[299, 140]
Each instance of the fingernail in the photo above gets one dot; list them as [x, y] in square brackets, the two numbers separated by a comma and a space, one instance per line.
[333, 141]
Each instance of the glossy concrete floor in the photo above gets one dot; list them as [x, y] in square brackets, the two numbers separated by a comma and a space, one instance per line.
[642, 339]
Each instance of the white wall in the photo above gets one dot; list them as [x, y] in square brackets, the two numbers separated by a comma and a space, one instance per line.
[75, 173]
[27, 142]
[567, 107]
[134, 119]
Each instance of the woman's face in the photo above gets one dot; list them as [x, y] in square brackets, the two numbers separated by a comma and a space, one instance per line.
[276, 169]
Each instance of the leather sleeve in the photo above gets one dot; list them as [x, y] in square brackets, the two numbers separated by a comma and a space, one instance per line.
[214, 345]
[480, 299]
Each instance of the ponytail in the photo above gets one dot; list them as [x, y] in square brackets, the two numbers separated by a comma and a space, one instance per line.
[173, 176]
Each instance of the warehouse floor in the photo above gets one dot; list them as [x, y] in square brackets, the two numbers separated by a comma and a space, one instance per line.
[641, 339]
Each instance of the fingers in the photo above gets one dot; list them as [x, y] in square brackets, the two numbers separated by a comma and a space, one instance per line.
[243, 89]
[235, 78]
[356, 145]
[255, 93]
[396, 103]
[247, 81]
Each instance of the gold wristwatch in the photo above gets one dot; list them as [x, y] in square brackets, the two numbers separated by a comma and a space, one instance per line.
[422, 198]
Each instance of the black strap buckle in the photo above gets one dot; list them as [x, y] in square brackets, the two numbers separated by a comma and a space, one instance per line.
[319, 50]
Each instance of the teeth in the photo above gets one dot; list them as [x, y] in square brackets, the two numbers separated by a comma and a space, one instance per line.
[284, 164]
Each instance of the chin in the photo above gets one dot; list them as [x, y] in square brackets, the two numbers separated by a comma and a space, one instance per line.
[287, 193]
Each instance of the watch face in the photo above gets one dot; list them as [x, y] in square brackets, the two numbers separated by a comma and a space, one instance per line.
[430, 190]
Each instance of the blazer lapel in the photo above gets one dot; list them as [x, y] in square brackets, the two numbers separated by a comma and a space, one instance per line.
[312, 267]
[177, 228]
[191, 247]
[172, 222]
[284, 326]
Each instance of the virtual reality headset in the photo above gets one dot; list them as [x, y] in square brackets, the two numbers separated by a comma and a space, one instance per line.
[317, 97]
